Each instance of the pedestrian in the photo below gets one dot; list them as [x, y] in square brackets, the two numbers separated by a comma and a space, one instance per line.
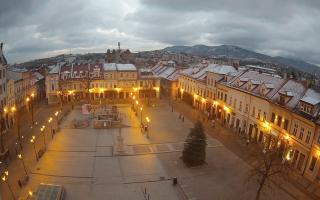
[182, 118]
[171, 108]
[179, 116]
[247, 142]
[213, 123]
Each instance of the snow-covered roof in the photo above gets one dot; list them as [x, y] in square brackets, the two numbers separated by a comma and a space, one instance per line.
[311, 96]
[54, 69]
[38, 76]
[294, 89]
[258, 80]
[109, 66]
[126, 67]
[221, 69]
[14, 75]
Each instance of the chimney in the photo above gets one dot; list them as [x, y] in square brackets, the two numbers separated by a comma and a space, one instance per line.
[1, 45]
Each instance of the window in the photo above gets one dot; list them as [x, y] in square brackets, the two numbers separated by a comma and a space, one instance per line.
[279, 121]
[225, 98]
[285, 124]
[264, 116]
[240, 106]
[259, 114]
[312, 163]
[253, 111]
[234, 103]
[301, 133]
[273, 116]
[295, 129]
[247, 108]
[308, 137]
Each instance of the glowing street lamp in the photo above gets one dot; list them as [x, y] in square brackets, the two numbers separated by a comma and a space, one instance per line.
[22, 161]
[148, 120]
[30, 104]
[141, 108]
[4, 178]
[33, 140]
[44, 137]
[50, 122]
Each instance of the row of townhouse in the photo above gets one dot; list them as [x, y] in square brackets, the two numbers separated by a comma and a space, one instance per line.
[15, 86]
[264, 108]
[98, 81]
[168, 72]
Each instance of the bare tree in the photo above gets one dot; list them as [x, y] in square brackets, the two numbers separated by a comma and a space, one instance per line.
[268, 166]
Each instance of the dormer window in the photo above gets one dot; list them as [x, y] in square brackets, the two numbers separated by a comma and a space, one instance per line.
[282, 100]
[305, 107]
[249, 86]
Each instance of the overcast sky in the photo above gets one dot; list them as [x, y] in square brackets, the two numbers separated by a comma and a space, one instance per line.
[40, 28]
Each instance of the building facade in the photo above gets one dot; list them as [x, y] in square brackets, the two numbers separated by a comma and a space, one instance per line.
[264, 108]
[100, 82]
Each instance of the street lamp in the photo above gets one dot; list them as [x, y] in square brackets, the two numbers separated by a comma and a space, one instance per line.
[17, 121]
[49, 121]
[4, 178]
[33, 140]
[22, 161]
[148, 120]
[44, 137]
[141, 108]
[30, 104]
[56, 114]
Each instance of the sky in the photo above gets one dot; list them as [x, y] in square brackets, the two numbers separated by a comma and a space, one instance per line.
[33, 29]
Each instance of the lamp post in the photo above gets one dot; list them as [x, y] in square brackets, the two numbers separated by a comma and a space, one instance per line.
[17, 121]
[50, 122]
[148, 120]
[44, 137]
[5, 180]
[57, 120]
[30, 104]
[33, 140]
[141, 108]
[22, 161]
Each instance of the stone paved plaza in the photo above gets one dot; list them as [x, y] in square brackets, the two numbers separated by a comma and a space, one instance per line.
[86, 162]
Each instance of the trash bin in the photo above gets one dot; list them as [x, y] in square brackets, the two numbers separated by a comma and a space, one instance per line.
[174, 181]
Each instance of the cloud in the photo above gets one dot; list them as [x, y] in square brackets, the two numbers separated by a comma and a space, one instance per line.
[33, 28]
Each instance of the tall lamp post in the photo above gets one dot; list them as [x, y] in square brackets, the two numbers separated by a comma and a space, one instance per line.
[30, 104]
[5, 180]
[33, 140]
[141, 108]
[17, 121]
[44, 137]
[148, 120]
[22, 161]
[50, 122]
